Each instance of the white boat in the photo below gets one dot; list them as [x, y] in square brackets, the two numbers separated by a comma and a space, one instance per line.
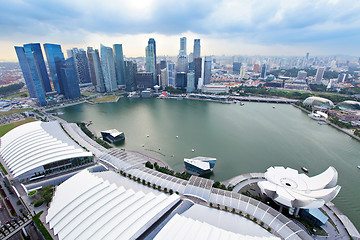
[358, 166]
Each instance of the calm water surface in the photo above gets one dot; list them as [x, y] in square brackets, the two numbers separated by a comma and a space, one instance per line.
[244, 139]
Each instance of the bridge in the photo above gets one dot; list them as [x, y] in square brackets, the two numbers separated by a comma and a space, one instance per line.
[263, 99]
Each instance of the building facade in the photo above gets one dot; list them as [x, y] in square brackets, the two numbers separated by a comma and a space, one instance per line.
[108, 68]
[196, 48]
[119, 64]
[68, 80]
[54, 54]
[82, 66]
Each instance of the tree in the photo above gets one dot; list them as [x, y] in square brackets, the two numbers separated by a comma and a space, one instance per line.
[149, 165]
[171, 191]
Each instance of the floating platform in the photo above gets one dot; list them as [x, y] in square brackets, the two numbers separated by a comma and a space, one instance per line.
[113, 135]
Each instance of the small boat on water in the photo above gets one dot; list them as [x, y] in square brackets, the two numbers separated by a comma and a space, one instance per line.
[358, 166]
[305, 169]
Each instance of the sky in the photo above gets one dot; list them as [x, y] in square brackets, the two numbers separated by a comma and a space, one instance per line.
[229, 27]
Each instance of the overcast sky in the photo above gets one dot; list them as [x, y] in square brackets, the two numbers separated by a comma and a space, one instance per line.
[230, 27]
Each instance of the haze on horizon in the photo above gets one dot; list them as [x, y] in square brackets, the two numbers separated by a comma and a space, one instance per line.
[230, 27]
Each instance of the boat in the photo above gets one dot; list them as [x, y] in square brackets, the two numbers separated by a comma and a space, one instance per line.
[305, 169]
[113, 135]
[358, 166]
[241, 104]
[273, 106]
[192, 150]
[199, 165]
[321, 123]
[177, 136]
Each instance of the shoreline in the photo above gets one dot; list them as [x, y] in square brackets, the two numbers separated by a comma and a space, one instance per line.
[331, 124]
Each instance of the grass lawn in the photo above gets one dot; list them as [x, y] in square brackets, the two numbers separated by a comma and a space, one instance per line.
[14, 111]
[6, 128]
[110, 98]
[41, 226]
[17, 95]
[87, 94]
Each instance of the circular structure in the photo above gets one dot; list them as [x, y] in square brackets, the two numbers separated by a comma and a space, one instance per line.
[318, 102]
[349, 105]
[287, 187]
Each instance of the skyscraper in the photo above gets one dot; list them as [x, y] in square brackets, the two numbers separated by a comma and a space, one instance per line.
[95, 66]
[54, 54]
[152, 42]
[119, 64]
[108, 68]
[196, 48]
[206, 71]
[150, 61]
[34, 71]
[182, 63]
[171, 73]
[68, 80]
[144, 80]
[263, 71]
[236, 67]
[81, 66]
[319, 75]
[90, 57]
[181, 81]
[183, 46]
[164, 78]
[341, 77]
[130, 75]
[190, 86]
[198, 68]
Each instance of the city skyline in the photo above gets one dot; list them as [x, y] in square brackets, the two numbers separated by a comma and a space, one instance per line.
[277, 28]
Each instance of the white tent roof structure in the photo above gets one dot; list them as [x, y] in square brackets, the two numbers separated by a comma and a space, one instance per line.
[286, 186]
[36, 144]
[87, 207]
[180, 227]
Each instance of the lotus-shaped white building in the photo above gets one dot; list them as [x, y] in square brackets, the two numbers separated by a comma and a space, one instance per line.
[287, 187]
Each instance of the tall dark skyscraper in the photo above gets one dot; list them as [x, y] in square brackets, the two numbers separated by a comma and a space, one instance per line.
[54, 54]
[130, 75]
[196, 48]
[34, 71]
[82, 66]
[144, 80]
[236, 67]
[181, 80]
[119, 64]
[68, 79]
[207, 71]
[198, 67]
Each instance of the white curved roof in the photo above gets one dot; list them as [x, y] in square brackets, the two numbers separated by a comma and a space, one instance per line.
[87, 207]
[319, 102]
[180, 227]
[288, 187]
[36, 144]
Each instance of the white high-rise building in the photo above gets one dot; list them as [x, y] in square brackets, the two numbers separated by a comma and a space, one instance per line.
[319, 75]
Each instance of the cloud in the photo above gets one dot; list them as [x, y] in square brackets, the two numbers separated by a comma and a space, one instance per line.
[254, 22]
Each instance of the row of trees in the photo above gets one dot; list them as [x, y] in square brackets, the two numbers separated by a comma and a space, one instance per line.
[165, 170]
[6, 90]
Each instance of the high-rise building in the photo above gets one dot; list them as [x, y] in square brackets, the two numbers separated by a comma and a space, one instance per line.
[144, 80]
[190, 82]
[236, 67]
[150, 63]
[198, 68]
[183, 46]
[164, 78]
[206, 71]
[263, 71]
[181, 81]
[68, 80]
[130, 75]
[319, 75]
[152, 42]
[34, 71]
[171, 73]
[90, 57]
[301, 75]
[182, 63]
[96, 70]
[54, 54]
[256, 68]
[341, 77]
[119, 64]
[108, 68]
[196, 48]
[82, 66]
